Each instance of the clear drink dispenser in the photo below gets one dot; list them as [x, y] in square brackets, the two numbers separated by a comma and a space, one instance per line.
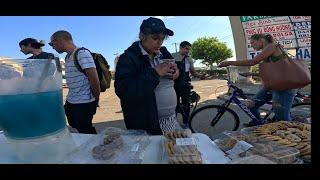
[32, 116]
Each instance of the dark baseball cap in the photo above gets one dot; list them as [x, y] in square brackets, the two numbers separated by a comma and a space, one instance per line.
[156, 26]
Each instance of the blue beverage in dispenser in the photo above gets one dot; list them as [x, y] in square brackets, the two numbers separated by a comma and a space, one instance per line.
[31, 110]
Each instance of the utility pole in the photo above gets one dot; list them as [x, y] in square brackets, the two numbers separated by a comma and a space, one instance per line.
[116, 60]
[175, 45]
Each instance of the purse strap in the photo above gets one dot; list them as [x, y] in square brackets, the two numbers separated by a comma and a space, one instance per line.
[283, 51]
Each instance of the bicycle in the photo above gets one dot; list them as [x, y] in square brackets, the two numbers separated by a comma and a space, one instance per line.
[301, 107]
[214, 119]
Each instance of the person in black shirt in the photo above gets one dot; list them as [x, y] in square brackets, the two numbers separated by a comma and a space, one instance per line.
[32, 46]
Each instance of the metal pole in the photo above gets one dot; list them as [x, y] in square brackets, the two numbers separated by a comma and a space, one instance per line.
[175, 45]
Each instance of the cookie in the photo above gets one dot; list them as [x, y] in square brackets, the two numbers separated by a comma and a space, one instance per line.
[305, 149]
[187, 133]
[262, 148]
[265, 136]
[110, 138]
[301, 146]
[293, 130]
[102, 152]
[302, 135]
[299, 126]
[291, 145]
[283, 142]
[306, 140]
[307, 127]
[307, 152]
[288, 124]
[169, 135]
[293, 138]
[274, 138]
[169, 147]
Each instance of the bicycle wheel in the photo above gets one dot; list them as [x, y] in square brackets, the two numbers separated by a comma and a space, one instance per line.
[200, 121]
[301, 112]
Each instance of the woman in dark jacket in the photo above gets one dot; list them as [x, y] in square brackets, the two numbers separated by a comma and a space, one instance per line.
[144, 81]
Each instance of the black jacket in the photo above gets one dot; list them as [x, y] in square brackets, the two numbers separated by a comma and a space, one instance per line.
[135, 81]
[182, 81]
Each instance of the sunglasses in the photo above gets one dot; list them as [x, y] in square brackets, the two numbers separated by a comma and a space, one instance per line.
[51, 43]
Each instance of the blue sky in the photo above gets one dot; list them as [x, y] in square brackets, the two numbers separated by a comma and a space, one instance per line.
[107, 35]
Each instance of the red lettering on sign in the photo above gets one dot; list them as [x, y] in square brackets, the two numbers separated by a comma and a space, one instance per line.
[297, 17]
[251, 31]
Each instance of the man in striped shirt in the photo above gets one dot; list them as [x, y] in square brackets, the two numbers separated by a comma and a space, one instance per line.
[84, 88]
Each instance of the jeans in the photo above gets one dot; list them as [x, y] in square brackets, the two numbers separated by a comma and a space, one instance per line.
[281, 103]
[80, 116]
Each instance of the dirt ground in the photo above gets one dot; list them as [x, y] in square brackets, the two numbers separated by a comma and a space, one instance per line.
[108, 113]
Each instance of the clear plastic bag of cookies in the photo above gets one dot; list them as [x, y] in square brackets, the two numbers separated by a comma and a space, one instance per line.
[111, 145]
[185, 153]
[137, 142]
[224, 141]
[262, 145]
[178, 133]
[252, 159]
[185, 159]
[101, 148]
[184, 148]
[283, 156]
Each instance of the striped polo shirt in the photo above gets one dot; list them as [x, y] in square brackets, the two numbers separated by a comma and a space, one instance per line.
[78, 82]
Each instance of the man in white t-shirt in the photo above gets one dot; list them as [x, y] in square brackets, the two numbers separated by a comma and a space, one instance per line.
[84, 88]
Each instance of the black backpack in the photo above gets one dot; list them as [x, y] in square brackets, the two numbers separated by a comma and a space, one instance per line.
[102, 67]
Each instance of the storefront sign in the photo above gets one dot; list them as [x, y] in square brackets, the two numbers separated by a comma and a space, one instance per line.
[292, 32]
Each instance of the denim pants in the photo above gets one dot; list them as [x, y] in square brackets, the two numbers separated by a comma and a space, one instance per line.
[281, 103]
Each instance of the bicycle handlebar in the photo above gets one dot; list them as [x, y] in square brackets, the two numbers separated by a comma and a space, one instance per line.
[231, 85]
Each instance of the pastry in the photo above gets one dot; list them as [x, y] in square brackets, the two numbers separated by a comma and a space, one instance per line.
[293, 138]
[307, 148]
[291, 145]
[301, 146]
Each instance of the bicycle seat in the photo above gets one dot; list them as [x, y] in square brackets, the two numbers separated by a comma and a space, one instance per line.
[238, 91]
[194, 97]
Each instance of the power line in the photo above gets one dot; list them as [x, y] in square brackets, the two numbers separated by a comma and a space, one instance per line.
[197, 24]
[198, 28]
[226, 37]
[206, 21]
[222, 32]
